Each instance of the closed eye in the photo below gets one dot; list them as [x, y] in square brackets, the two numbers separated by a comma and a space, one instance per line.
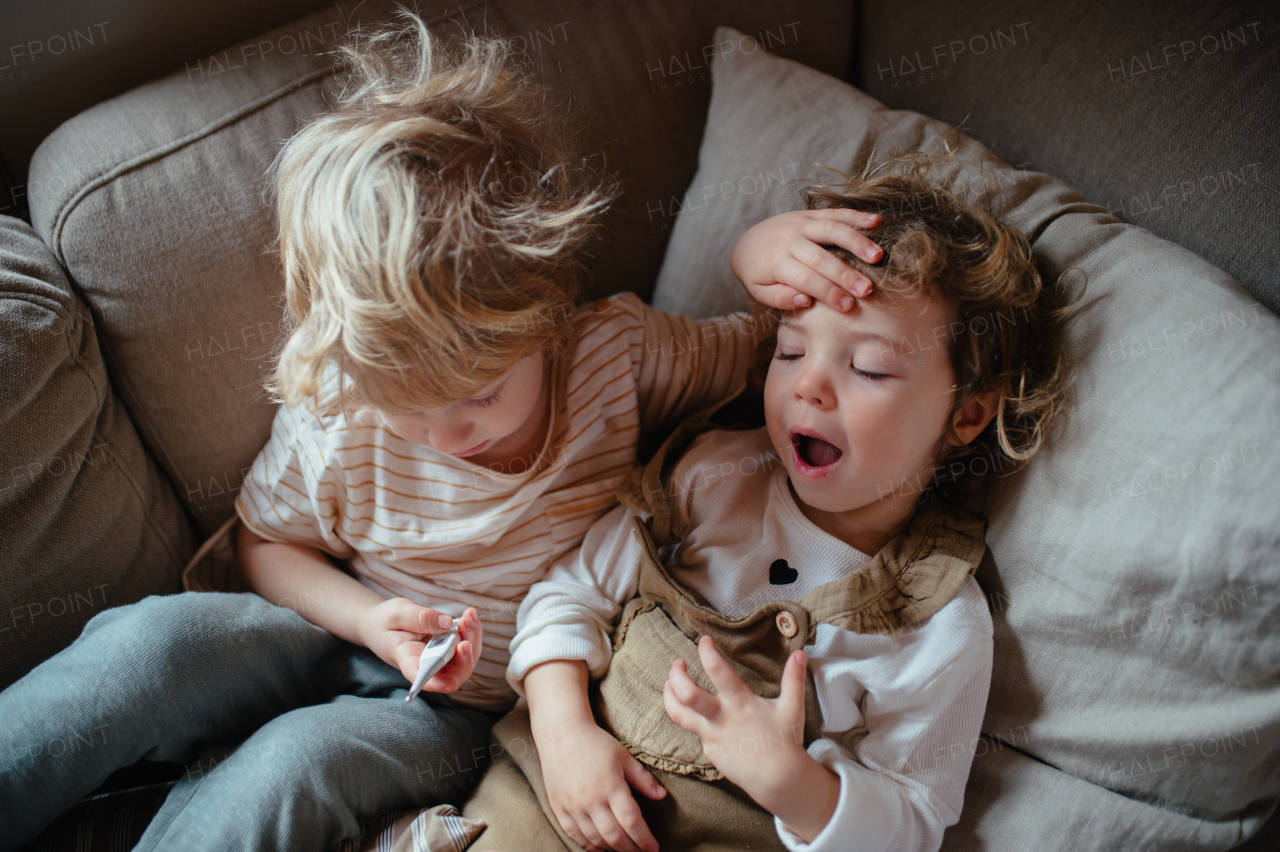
[786, 356]
[867, 374]
[488, 400]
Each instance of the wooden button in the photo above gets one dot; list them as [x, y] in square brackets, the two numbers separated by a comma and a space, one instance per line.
[787, 624]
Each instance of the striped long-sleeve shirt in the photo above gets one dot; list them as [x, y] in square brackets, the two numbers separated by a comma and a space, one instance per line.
[416, 523]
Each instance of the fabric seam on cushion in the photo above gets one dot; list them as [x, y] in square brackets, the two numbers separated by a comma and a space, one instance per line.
[105, 399]
[176, 145]
[58, 309]
[63, 315]
[1070, 209]
[169, 545]
[159, 452]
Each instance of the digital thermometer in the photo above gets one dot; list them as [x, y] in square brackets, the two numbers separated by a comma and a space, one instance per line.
[435, 656]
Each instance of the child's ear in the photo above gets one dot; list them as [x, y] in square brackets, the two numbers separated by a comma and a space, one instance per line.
[972, 418]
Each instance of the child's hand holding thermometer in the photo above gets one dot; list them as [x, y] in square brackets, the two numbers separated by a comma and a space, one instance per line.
[397, 631]
[435, 656]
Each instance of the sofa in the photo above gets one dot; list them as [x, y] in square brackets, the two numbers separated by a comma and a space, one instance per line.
[1132, 568]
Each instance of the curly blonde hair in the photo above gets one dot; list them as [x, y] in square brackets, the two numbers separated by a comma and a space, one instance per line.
[429, 225]
[1008, 328]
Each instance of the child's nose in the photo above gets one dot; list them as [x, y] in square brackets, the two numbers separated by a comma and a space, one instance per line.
[812, 387]
[453, 439]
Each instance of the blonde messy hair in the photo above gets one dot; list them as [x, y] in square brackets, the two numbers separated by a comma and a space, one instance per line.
[1008, 322]
[428, 226]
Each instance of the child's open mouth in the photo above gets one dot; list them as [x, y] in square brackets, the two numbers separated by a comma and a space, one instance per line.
[814, 456]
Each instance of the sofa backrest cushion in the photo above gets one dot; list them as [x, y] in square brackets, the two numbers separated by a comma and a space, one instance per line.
[1163, 111]
[61, 58]
[1132, 567]
[86, 520]
[153, 201]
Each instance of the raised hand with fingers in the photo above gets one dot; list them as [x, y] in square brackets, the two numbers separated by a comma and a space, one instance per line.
[783, 264]
[758, 743]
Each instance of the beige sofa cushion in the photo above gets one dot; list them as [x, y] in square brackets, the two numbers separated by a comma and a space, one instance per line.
[86, 520]
[1133, 565]
[153, 200]
[1163, 111]
[66, 58]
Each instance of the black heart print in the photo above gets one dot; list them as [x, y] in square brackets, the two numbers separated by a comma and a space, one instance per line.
[780, 573]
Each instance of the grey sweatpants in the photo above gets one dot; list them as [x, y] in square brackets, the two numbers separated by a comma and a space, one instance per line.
[291, 736]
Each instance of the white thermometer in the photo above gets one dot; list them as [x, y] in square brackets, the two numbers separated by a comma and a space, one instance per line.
[435, 656]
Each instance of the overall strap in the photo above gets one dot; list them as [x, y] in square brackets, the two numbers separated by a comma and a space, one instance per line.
[643, 488]
[912, 577]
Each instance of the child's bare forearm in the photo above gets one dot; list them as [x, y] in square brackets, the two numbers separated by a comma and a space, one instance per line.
[802, 793]
[587, 772]
[557, 693]
[301, 578]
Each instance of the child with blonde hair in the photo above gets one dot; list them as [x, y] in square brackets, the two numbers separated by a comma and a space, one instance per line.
[451, 426]
[669, 652]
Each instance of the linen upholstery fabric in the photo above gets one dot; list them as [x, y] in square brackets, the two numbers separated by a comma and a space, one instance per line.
[1164, 112]
[1132, 565]
[69, 57]
[154, 203]
[86, 522]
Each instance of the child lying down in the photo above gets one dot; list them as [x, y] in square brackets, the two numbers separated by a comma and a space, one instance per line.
[801, 656]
